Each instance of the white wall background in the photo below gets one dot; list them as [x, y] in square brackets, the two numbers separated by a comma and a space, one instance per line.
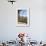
[37, 29]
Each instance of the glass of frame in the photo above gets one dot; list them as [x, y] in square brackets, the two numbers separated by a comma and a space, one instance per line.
[22, 17]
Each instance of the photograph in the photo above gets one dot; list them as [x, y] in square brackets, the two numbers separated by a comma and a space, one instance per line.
[22, 17]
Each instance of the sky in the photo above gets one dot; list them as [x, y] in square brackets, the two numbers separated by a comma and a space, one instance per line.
[23, 13]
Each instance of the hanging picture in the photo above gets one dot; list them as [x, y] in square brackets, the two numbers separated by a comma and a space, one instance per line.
[22, 17]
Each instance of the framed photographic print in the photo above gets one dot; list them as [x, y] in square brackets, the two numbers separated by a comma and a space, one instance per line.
[22, 17]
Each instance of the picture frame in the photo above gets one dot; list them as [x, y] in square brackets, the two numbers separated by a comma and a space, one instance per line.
[22, 17]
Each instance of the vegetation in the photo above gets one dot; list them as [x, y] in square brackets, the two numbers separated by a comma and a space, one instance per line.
[22, 19]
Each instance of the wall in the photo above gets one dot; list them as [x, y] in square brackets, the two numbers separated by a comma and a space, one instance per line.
[8, 29]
